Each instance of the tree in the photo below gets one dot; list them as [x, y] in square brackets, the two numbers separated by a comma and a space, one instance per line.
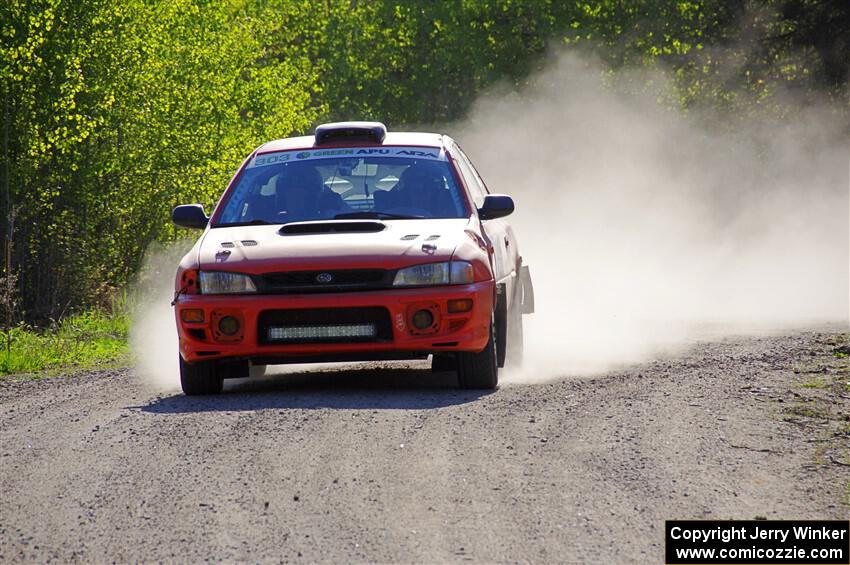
[115, 114]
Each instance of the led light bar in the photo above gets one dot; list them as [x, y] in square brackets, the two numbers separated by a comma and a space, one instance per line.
[292, 333]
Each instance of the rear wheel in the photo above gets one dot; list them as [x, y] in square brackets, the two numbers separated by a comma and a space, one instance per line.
[515, 337]
[501, 328]
[479, 370]
[199, 378]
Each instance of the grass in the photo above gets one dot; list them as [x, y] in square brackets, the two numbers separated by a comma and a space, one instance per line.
[808, 411]
[826, 380]
[89, 339]
[816, 383]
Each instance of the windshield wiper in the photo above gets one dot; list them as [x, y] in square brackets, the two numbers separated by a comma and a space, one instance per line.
[376, 216]
[248, 223]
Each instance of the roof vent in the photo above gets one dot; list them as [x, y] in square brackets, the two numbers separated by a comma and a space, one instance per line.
[351, 132]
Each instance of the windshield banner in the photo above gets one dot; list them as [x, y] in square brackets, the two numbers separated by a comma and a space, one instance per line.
[278, 157]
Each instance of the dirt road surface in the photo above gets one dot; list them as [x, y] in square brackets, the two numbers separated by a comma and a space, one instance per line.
[397, 466]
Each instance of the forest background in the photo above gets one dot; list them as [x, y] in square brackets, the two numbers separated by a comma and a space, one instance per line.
[114, 112]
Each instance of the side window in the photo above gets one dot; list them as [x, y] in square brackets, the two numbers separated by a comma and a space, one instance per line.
[481, 182]
[470, 178]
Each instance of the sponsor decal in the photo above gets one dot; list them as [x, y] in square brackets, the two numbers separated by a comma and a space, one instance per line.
[417, 153]
[270, 159]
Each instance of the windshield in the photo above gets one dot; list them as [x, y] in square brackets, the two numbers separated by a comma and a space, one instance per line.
[384, 183]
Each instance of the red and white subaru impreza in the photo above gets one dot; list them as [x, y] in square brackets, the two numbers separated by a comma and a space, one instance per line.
[355, 244]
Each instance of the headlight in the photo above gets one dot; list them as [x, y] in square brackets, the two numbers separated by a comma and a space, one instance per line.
[451, 272]
[213, 282]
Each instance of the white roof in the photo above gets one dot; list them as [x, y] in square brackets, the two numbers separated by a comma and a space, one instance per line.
[393, 138]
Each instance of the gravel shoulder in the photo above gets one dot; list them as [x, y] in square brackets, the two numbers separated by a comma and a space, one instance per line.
[395, 465]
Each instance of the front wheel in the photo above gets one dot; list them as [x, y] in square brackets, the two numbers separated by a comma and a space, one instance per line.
[199, 378]
[442, 362]
[479, 370]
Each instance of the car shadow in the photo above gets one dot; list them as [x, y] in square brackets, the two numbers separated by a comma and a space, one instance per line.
[346, 388]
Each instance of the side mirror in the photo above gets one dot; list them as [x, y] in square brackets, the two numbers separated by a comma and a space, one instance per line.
[190, 216]
[496, 206]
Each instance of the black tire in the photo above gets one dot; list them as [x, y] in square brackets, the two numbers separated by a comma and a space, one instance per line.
[199, 378]
[501, 329]
[479, 370]
[515, 337]
[443, 362]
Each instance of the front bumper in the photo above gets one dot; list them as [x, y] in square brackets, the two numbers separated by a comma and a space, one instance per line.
[466, 331]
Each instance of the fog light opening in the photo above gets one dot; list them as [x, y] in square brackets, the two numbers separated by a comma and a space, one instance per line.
[228, 325]
[459, 305]
[423, 319]
[192, 315]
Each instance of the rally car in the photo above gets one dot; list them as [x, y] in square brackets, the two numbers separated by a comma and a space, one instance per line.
[354, 244]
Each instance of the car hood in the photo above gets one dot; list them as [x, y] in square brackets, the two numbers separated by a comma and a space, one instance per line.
[260, 249]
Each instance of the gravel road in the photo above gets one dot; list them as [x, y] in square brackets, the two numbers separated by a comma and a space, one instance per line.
[394, 465]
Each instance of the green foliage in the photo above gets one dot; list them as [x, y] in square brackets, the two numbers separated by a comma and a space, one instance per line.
[423, 62]
[89, 339]
[413, 62]
[113, 113]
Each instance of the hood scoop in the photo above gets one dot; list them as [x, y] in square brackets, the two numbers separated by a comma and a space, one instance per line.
[332, 226]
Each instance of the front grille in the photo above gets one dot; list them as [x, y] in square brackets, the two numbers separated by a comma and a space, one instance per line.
[317, 281]
[287, 322]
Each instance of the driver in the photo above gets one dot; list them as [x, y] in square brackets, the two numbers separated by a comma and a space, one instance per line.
[302, 195]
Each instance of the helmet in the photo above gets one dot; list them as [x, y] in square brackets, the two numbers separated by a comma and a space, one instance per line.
[420, 180]
[298, 190]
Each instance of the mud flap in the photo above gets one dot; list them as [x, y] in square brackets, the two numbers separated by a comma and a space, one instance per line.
[527, 290]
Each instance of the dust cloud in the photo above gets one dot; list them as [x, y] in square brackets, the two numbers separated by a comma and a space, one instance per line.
[153, 333]
[646, 228]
